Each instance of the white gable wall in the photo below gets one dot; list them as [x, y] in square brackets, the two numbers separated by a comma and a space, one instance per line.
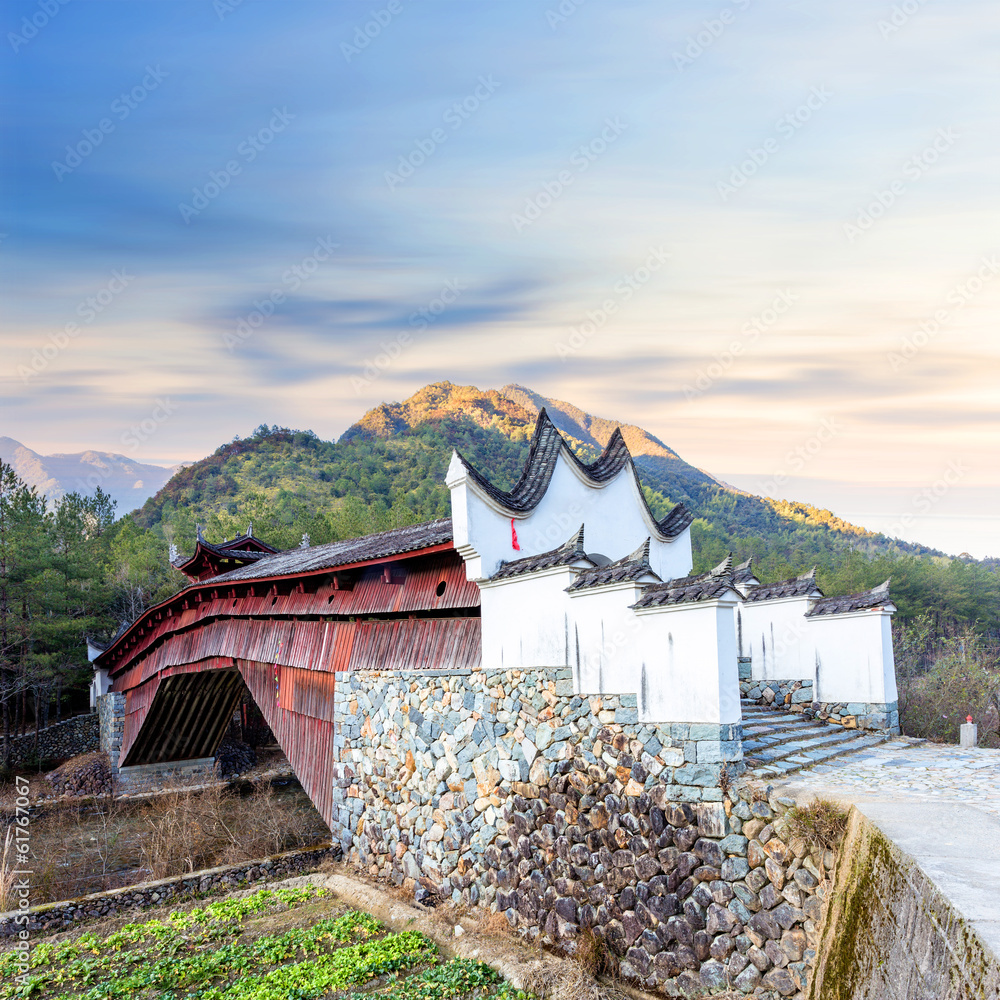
[854, 659]
[614, 518]
[526, 621]
[607, 647]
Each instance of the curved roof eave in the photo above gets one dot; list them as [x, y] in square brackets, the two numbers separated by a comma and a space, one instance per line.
[547, 444]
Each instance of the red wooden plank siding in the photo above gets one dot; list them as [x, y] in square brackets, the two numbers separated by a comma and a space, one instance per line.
[306, 740]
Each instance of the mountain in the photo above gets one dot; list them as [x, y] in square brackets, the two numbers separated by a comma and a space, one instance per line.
[388, 469]
[127, 481]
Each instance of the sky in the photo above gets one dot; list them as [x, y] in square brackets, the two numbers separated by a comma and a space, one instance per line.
[766, 232]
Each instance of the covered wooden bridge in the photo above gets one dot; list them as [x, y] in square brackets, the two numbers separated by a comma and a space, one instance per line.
[282, 624]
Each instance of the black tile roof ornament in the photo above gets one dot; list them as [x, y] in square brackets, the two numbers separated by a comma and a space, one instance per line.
[382, 545]
[743, 573]
[546, 445]
[633, 567]
[799, 586]
[877, 597]
[568, 554]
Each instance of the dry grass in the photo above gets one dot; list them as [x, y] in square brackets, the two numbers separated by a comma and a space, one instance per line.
[557, 980]
[78, 847]
[821, 824]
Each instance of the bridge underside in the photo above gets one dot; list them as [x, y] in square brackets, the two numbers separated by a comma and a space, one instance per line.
[188, 717]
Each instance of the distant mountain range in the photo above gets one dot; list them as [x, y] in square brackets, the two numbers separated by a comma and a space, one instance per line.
[127, 481]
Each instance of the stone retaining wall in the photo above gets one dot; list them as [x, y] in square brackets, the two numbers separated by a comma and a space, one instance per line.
[58, 741]
[504, 789]
[797, 696]
[111, 715]
[858, 714]
[791, 695]
[52, 917]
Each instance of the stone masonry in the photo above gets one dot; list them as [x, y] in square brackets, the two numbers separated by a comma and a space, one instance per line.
[797, 696]
[504, 789]
[111, 715]
[59, 741]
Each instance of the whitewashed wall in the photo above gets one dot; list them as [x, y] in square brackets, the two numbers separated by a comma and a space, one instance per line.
[689, 671]
[776, 636]
[607, 641]
[526, 621]
[854, 658]
[614, 516]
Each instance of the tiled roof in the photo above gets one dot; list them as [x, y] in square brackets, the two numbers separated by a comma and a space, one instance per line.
[546, 445]
[634, 566]
[229, 549]
[571, 551]
[694, 589]
[690, 589]
[874, 598]
[368, 548]
[799, 586]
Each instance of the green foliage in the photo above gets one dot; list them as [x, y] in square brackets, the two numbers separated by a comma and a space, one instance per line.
[204, 953]
[944, 679]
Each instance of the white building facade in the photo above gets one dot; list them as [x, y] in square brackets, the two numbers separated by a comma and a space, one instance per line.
[576, 571]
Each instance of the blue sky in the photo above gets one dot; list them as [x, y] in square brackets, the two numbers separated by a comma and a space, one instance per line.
[733, 224]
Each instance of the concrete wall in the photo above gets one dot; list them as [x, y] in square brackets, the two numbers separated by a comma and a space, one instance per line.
[890, 932]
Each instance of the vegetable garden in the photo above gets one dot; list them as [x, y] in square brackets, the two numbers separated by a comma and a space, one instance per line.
[250, 948]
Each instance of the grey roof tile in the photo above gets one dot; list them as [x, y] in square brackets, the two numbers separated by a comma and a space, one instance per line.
[397, 541]
[571, 551]
[874, 598]
[799, 586]
[634, 566]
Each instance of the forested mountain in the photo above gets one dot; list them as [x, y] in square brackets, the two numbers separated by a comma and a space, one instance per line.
[389, 467]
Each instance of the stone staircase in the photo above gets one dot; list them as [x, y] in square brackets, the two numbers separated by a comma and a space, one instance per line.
[776, 742]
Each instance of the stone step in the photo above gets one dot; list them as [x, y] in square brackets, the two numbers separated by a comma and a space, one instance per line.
[779, 737]
[781, 751]
[797, 762]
